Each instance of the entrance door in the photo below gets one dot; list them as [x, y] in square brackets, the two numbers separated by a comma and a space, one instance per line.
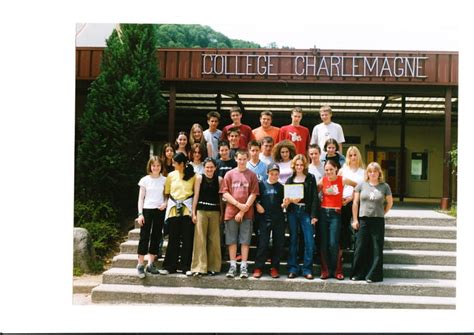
[389, 161]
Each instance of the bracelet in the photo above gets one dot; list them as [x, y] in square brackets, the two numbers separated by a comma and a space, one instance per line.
[140, 214]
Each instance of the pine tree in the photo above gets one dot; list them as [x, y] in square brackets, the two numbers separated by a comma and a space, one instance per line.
[122, 104]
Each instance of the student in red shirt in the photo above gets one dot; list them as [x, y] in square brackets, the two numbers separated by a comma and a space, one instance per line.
[246, 134]
[331, 186]
[297, 134]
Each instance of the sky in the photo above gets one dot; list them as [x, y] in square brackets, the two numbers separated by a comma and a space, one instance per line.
[37, 122]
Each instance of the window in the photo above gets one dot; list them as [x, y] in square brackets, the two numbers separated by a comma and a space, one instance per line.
[419, 166]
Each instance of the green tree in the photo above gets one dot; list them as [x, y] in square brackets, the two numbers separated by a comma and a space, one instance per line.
[122, 104]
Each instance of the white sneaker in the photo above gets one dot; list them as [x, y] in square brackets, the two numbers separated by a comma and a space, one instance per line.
[244, 273]
[189, 273]
[163, 272]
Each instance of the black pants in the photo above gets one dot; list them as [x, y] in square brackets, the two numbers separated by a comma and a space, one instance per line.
[265, 227]
[368, 253]
[150, 233]
[346, 229]
[180, 244]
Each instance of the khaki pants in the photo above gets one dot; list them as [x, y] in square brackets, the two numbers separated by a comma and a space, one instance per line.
[207, 245]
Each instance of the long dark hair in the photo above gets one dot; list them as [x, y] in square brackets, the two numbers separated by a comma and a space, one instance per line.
[181, 158]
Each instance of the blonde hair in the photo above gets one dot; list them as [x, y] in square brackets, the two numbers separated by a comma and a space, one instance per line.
[299, 157]
[326, 108]
[152, 160]
[371, 167]
[354, 149]
[191, 136]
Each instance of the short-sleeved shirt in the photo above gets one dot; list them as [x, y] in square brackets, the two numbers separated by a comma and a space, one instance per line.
[356, 176]
[299, 135]
[285, 171]
[271, 198]
[213, 138]
[316, 171]
[154, 191]
[266, 159]
[225, 166]
[240, 184]
[372, 198]
[332, 192]
[246, 135]
[322, 132]
[260, 133]
[260, 169]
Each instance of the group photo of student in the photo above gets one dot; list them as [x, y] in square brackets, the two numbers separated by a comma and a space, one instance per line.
[289, 194]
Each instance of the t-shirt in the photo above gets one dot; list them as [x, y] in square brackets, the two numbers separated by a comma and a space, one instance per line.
[356, 176]
[260, 169]
[372, 198]
[332, 192]
[271, 198]
[322, 132]
[266, 159]
[299, 135]
[213, 138]
[225, 166]
[246, 135]
[154, 191]
[337, 158]
[240, 184]
[198, 168]
[285, 171]
[316, 171]
[179, 189]
[260, 133]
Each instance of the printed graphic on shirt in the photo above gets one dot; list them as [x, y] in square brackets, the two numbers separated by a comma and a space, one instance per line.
[295, 137]
[239, 185]
[374, 194]
[333, 189]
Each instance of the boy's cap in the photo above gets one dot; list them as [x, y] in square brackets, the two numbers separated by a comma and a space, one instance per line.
[273, 166]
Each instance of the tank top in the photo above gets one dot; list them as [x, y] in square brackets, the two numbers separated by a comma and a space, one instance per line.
[332, 193]
[209, 194]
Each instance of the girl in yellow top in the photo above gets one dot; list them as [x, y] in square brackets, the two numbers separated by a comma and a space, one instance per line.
[179, 187]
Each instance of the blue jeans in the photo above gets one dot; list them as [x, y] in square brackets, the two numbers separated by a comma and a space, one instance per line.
[330, 229]
[300, 217]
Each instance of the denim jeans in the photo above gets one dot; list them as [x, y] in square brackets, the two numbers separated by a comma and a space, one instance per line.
[330, 229]
[276, 227]
[299, 217]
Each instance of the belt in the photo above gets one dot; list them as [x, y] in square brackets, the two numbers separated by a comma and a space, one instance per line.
[207, 203]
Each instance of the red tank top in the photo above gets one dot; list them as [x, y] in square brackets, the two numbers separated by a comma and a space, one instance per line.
[332, 193]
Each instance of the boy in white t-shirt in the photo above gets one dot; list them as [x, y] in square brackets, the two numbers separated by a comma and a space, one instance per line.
[327, 129]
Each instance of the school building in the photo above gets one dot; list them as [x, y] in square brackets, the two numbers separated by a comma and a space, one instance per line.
[398, 107]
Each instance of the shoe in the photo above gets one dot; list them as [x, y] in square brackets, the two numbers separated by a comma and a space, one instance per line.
[324, 275]
[163, 272]
[274, 273]
[141, 271]
[212, 273]
[257, 273]
[369, 281]
[197, 274]
[339, 276]
[151, 268]
[309, 276]
[232, 272]
[292, 275]
[355, 278]
[189, 273]
[244, 272]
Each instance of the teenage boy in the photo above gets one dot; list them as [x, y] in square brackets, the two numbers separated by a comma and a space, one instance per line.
[255, 164]
[224, 163]
[271, 220]
[296, 133]
[239, 189]
[233, 136]
[246, 134]
[266, 128]
[267, 147]
[212, 134]
[327, 129]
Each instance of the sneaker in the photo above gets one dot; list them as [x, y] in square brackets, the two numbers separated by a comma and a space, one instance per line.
[151, 269]
[141, 271]
[257, 273]
[274, 273]
[244, 272]
[212, 273]
[232, 272]
[189, 273]
[163, 272]
[197, 274]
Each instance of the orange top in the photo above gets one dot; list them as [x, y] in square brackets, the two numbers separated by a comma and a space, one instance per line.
[332, 193]
[260, 133]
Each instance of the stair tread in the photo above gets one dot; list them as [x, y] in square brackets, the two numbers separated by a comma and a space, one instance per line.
[283, 295]
[420, 239]
[420, 227]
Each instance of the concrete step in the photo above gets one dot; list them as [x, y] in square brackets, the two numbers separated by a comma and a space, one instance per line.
[417, 243]
[390, 270]
[413, 217]
[137, 294]
[395, 286]
[420, 231]
[427, 257]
